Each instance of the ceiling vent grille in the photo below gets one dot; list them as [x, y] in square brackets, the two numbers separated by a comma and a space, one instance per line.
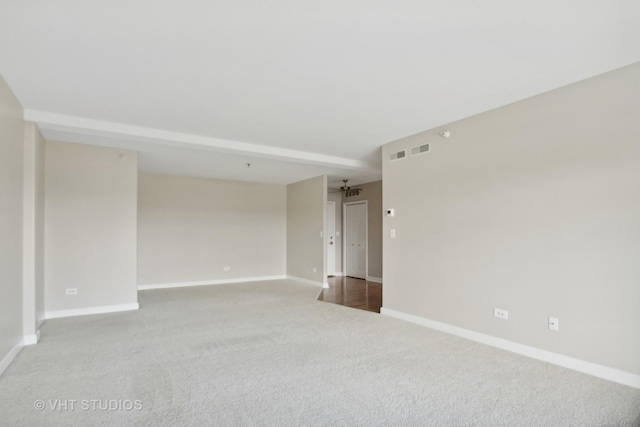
[421, 149]
[397, 156]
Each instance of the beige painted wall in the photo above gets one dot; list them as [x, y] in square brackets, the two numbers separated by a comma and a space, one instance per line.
[11, 136]
[372, 193]
[189, 229]
[533, 208]
[33, 229]
[90, 226]
[336, 197]
[306, 219]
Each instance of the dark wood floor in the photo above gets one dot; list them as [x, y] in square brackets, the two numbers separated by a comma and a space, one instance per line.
[351, 292]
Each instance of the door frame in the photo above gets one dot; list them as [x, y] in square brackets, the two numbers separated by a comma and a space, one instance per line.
[366, 236]
[331, 233]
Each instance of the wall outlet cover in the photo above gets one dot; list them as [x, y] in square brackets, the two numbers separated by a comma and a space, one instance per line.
[501, 314]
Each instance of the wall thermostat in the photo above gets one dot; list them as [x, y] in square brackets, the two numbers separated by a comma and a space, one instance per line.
[391, 212]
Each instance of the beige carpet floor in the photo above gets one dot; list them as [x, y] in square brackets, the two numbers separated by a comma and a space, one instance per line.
[270, 354]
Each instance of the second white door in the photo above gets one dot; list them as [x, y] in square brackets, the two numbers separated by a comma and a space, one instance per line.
[356, 239]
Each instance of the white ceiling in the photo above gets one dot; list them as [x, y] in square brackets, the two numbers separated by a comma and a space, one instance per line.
[297, 88]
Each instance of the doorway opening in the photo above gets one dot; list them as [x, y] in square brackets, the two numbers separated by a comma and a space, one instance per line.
[331, 239]
[354, 225]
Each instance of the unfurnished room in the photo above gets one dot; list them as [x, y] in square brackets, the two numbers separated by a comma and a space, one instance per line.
[384, 213]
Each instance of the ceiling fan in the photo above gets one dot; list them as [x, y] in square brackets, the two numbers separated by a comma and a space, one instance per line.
[348, 191]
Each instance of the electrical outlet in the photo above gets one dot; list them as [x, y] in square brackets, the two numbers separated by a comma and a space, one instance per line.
[71, 291]
[313, 270]
[554, 324]
[500, 313]
[227, 268]
[392, 233]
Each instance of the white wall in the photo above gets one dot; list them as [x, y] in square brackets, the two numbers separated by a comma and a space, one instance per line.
[11, 137]
[189, 229]
[90, 226]
[33, 230]
[533, 208]
[306, 220]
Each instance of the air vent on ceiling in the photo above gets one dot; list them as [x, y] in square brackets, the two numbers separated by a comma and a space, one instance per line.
[397, 156]
[421, 149]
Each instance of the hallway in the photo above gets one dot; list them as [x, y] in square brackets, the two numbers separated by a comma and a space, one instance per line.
[355, 293]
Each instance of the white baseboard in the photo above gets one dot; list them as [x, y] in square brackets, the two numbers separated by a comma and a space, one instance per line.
[308, 282]
[6, 360]
[32, 339]
[600, 371]
[209, 282]
[374, 279]
[91, 310]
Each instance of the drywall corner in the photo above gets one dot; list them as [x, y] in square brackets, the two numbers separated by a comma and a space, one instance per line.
[306, 229]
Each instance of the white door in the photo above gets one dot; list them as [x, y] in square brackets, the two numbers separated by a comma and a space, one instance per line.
[356, 239]
[331, 238]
